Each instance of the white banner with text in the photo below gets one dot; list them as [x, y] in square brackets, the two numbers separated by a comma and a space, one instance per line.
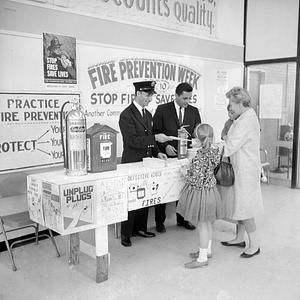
[192, 17]
[107, 76]
[30, 129]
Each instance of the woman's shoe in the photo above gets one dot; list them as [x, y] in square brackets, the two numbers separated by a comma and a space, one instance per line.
[241, 244]
[246, 255]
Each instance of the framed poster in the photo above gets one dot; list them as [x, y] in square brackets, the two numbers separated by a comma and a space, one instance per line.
[59, 59]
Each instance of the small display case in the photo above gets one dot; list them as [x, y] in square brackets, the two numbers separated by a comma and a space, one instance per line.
[101, 148]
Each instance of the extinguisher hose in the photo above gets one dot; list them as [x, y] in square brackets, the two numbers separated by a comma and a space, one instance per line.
[62, 132]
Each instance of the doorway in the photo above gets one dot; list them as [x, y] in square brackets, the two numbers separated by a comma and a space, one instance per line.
[272, 87]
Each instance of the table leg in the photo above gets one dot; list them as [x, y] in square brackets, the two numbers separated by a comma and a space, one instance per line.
[74, 249]
[117, 227]
[102, 256]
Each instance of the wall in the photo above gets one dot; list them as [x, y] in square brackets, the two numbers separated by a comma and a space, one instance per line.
[272, 27]
[19, 17]
[220, 59]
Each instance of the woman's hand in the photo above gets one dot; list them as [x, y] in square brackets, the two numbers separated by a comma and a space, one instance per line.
[184, 170]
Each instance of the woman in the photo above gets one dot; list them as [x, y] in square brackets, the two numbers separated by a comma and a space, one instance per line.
[226, 192]
[242, 145]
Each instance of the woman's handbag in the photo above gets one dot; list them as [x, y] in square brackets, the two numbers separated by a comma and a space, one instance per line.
[224, 172]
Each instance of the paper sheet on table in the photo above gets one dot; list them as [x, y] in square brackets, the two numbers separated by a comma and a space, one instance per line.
[179, 139]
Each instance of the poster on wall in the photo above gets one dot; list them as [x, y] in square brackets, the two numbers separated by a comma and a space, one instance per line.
[107, 76]
[221, 89]
[30, 132]
[59, 59]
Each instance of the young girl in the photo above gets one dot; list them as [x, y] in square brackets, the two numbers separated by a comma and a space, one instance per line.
[200, 202]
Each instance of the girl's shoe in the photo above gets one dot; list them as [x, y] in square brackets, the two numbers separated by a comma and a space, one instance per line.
[196, 264]
[195, 255]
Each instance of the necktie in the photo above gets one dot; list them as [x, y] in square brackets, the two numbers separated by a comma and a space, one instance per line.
[144, 114]
[180, 116]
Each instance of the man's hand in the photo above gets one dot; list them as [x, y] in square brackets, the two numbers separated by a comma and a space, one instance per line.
[171, 151]
[161, 155]
[162, 138]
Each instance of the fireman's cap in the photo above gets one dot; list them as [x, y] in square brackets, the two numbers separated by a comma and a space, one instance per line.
[145, 86]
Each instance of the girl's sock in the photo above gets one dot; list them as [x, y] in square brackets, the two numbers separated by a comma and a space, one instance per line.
[209, 248]
[202, 255]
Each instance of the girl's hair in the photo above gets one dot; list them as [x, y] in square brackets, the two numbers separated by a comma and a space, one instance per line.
[204, 133]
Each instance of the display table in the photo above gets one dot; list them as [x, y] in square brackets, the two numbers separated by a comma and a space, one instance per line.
[69, 205]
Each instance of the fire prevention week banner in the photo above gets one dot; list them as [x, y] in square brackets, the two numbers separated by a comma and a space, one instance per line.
[107, 76]
[30, 129]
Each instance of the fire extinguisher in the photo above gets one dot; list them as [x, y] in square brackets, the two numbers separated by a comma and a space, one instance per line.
[74, 146]
[182, 143]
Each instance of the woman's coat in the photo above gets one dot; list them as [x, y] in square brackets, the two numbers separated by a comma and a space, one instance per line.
[242, 145]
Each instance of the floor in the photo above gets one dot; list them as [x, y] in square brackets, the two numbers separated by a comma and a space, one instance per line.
[153, 268]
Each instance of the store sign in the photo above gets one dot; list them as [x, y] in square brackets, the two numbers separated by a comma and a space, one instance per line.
[196, 17]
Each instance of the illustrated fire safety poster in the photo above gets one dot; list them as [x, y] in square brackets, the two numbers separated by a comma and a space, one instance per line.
[111, 204]
[59, 59]
[64, 208]
[34, 199]
[78, 206]
[51, 206]
[154, 187]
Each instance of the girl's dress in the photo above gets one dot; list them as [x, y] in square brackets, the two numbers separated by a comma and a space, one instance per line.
[200, 200]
